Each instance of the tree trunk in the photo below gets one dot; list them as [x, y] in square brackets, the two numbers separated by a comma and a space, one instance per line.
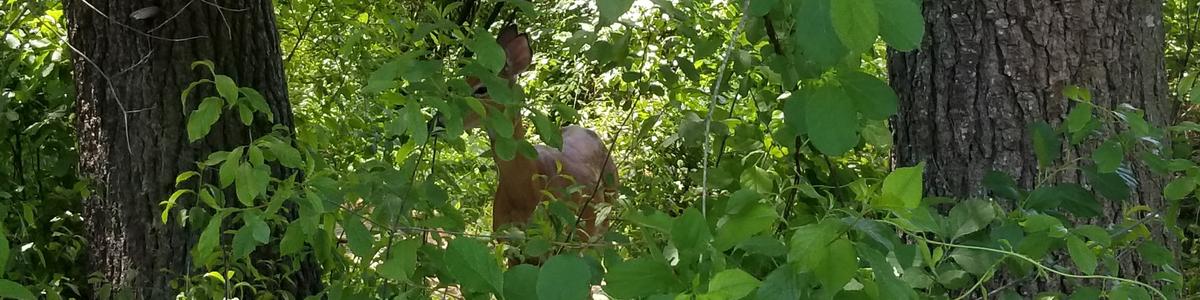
[990, 68]
[129, 73]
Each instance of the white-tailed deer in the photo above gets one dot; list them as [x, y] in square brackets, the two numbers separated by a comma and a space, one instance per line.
[583, 159]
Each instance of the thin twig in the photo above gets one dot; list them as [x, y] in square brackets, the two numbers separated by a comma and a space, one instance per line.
[712, 104]
[303, 32]
[177, 13]
[135, 30]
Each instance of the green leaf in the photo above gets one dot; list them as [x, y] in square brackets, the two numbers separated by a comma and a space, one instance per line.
[736, 228]
[360, 240]
[1044, 223]
[185, 176]
[550, 133]
[1001, 185]
[785, 283]
[5, 250]
[856, 23]
[9, 289]
[243, 242]
[758, 179]
[838, 267]
[227, 88]
[201, 120]
[257, 102]
[487, 52]
[520, 282]
[611, 10]
[564, 277]
[1179, 188]
[384, 78]
[873, 97]
[229, 169]
[690, 230]
[251, 182]
[1084, 258]
[293, 239]
[1108, 156]
[258, 228]
[901, 24]
[1110, 185]
[1156, 254]
[208, 240]
[471, 264]
[640, 277]
[1046, 145]
[401, 261]
[1079, 117]
[814, 34]
[970, 216]
[760, 8]
[1094, 233]
[732, 284]
[902, 188]
[1077, 200]
[287, 155]
[831, 120]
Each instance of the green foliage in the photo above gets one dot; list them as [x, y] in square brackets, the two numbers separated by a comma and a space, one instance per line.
[804, 203]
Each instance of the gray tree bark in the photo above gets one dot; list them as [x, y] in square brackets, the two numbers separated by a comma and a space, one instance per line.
[129, 73]
[990, 68]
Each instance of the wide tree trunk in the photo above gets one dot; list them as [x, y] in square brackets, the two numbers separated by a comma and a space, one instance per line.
[990, 68]
[132, 60]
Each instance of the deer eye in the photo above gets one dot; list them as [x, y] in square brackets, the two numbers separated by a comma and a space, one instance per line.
[480, 91]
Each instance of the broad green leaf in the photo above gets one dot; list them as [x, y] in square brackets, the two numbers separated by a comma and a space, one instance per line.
[209, 239]
[293, 239]
[1001, 185]
[1079, 117]
[487, 52]
[229, 169]
[901, 23]
[793, 111]
[550, 133]
[611, 10]
[976, 262]
[401, 261]
[1094, 233]
[970, 216]
[873, 97]
[9, 289]
[760, 8]
[814, 36]
[257, 102]
[838, 267]
[287, 155]
[1110, 185]
[1085, 293]
[736, 228]
[226, 88]
[184, 177]
[472, 265]
[259, 229]
[1084, 258]
[831, 120]
[1179, 188]
[785, 283]
[732, 284]
[5, 249]
[1046, 145]
[360, 240]
[564, 277]
[690, 230]
[640, 277]
[856, 23]
[758, 179]
[1156, 254]
[1077, 200]
[1044, 223]
[383, 78]
[200, 121]
[520, 282]
[902, 188]
[243, 242]
[1077, 93]
[1108, 156]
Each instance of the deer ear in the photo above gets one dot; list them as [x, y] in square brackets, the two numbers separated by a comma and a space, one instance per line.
[518, 55]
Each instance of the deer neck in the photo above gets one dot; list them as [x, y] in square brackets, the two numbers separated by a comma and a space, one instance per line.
[516, 176]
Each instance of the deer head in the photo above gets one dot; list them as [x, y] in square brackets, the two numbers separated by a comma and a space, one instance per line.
[517, 57]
